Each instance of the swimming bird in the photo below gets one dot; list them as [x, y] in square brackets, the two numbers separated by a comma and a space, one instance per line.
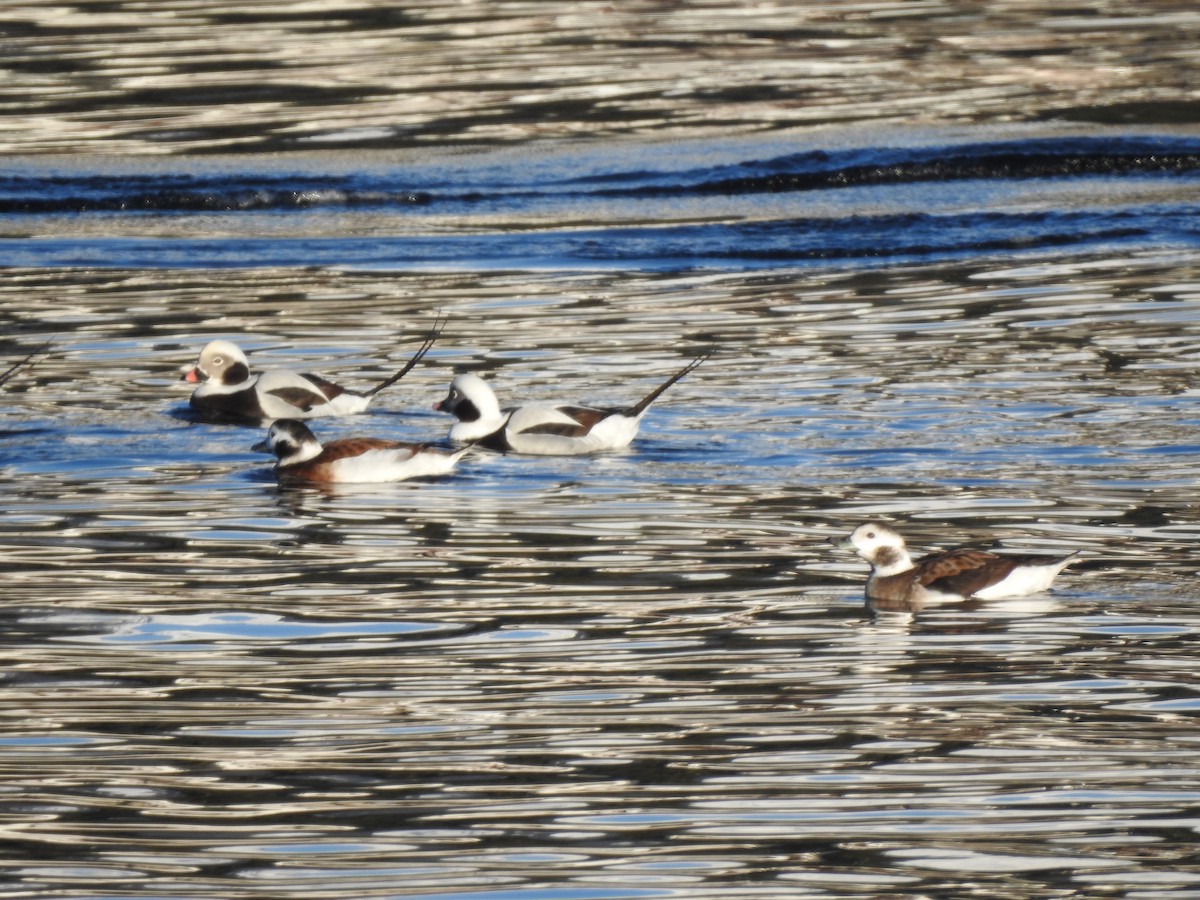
[356, 460]
[544, 429]
[949, 575]
[228, 388]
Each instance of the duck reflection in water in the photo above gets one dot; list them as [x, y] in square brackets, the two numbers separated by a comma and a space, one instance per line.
[897, 583]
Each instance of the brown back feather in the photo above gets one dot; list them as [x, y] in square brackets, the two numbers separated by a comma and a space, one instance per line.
[962, 572]
[328, 388]
[320, 467]
[356, 446]
[299, 397]
[560, 428]
[585, 416]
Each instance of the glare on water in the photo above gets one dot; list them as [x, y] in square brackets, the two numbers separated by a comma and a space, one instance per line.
[970, 309]
[648, 667]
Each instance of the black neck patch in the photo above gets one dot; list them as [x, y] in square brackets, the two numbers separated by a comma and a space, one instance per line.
[497, 440]
[285, 447]
[241, 404]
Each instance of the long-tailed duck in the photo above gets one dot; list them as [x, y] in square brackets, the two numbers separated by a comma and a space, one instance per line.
[228, 388]
[544, 429]
[356, 460]
[949, 575]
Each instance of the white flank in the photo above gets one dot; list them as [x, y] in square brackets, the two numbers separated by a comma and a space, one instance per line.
[1025, 580]
[396, 464]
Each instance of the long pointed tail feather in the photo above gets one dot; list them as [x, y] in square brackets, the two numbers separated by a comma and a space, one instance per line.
[470, 449]
[645, 402]
[438, 324]
[1070, 559]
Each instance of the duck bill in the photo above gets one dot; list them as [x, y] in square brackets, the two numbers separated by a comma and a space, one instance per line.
[263, 446]
[192, 375]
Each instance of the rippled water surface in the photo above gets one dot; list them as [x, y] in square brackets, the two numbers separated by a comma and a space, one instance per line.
[972, 309]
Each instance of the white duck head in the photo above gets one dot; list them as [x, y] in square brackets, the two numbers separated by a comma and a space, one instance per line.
[220, 363]
[291, 441]
[882, 546]
[474, 404]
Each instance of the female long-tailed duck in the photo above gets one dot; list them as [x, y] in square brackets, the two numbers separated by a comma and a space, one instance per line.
[358, 460]
[227, 387]
[949, 575]
[544, 429]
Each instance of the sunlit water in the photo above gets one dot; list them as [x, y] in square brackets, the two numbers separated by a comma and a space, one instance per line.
[647, 673]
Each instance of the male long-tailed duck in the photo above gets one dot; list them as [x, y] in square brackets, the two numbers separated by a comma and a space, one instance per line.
[544, 429]
[949, 575]
[356, 460]
[228, 388]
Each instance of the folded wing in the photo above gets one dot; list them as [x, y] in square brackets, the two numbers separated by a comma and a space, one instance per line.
[961, 572]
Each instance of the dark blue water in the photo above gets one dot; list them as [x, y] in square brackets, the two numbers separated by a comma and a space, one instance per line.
[650, 206]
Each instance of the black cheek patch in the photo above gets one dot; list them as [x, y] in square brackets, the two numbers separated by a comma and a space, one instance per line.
[886, 556]
[236, 374]
[466, 411]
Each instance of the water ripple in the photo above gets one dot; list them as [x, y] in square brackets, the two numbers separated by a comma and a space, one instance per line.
[647, 673]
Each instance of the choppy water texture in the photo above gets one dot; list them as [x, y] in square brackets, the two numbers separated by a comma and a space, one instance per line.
[210, 77]
[971, 309]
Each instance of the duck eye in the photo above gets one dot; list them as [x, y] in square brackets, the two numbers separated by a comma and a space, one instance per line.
[217, 360]
[870, 535]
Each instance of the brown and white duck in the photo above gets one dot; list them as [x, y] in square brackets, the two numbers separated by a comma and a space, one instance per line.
[355, 460]
[897, 579]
